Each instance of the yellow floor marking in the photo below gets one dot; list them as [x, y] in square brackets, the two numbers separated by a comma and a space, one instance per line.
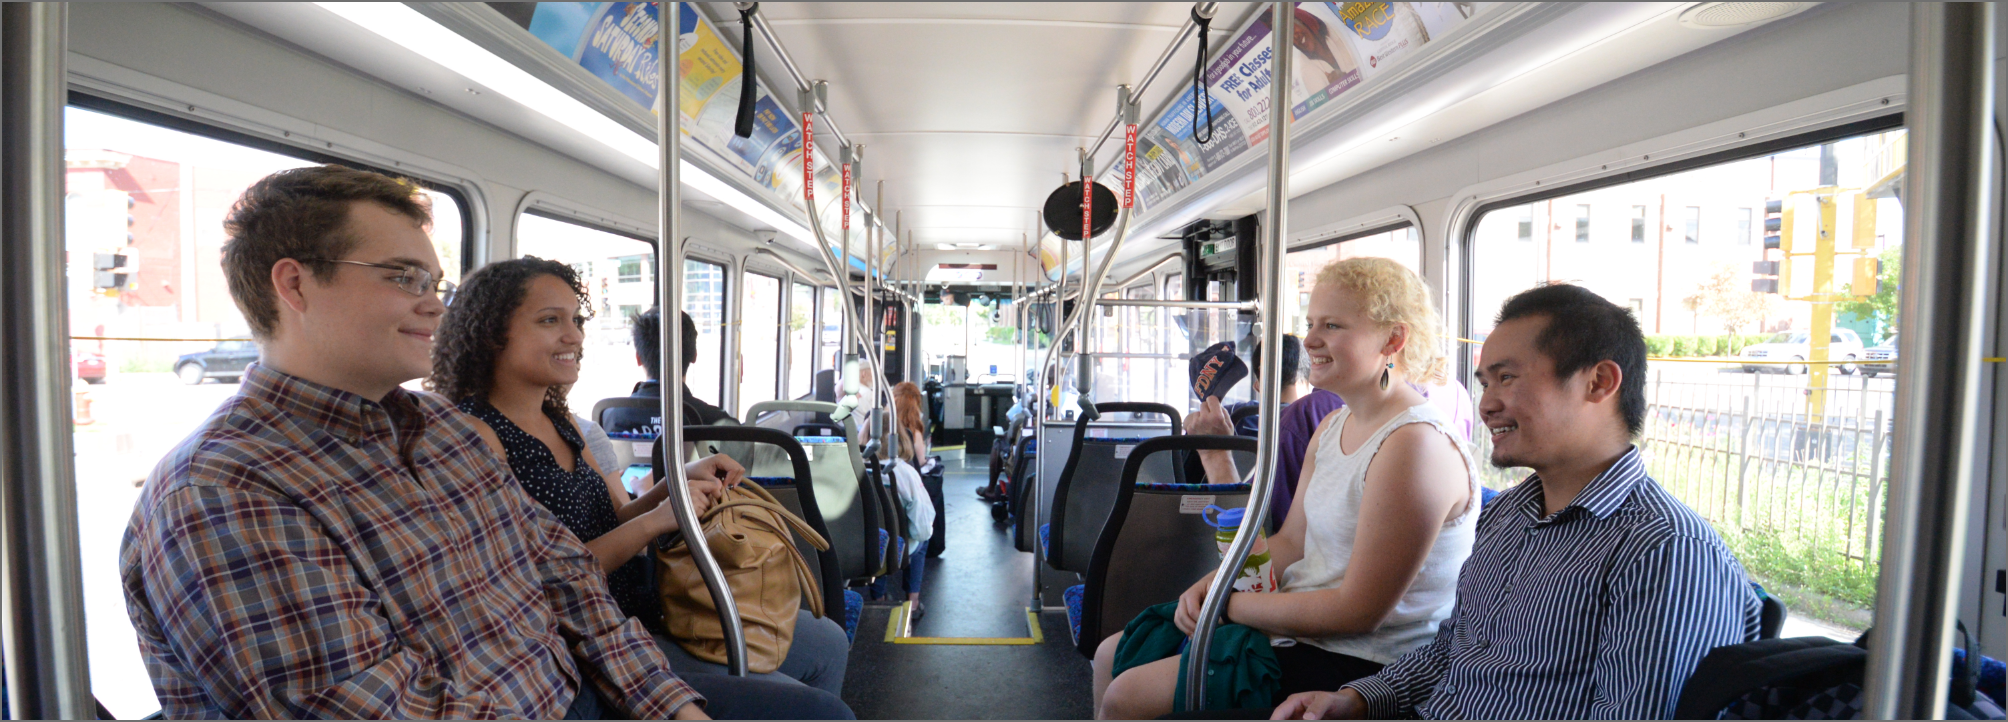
[898, 625]
[957, 447]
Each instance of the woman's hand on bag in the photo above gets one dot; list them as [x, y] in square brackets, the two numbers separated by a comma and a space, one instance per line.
[661, 517]
[1187, 617]
[717, 467]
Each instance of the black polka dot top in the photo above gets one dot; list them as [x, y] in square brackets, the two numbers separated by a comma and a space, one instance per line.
[578, 498]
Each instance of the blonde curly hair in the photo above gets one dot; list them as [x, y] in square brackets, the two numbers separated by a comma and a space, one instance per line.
[1392, 295]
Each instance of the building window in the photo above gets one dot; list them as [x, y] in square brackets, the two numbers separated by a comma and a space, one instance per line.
[632, 269]
[1527, 223]
[1583, 223]
[1743, 226]
[1638, 224]
[1693, 217]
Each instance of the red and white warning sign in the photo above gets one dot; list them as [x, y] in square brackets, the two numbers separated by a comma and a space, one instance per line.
[847, 196]
[1087, 208]
[1129, 167]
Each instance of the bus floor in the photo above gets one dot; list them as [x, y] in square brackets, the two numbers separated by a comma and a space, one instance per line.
[979, 587]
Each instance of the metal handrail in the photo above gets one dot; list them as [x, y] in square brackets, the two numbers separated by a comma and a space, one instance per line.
[1948, 229]
[1268, 423]
[669, 268]
[1172, 303]
[1163, 59]
[44, 615]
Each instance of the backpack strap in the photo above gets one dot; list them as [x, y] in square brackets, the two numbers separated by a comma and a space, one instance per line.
[1728, 673]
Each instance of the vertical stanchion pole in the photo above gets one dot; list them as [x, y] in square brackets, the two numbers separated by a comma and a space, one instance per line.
[1270, 256]
[41, 600]
[1948, 232]
[669, 278]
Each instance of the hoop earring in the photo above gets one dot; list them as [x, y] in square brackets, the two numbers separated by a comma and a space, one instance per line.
[1384, 375]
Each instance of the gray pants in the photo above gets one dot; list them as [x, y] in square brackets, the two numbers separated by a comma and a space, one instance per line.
[817, 656]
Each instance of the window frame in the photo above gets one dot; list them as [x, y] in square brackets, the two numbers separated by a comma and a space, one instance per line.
[782, 284]
[462, 194]
[1465, 226]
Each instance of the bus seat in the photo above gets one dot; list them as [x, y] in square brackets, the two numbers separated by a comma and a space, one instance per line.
[1771, 617]
[1156, 543]
[786, 490]
[1023, 465]
[1485, 497]
[601, 407]
[854, 605]
[1086, 489]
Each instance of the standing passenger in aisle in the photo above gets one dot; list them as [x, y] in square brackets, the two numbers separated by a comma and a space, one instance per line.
[1592, 593]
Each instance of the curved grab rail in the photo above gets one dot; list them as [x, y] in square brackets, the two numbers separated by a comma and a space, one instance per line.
[1271, 272]
[669, 269]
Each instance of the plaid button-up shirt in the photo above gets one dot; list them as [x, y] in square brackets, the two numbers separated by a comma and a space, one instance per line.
[311, 553]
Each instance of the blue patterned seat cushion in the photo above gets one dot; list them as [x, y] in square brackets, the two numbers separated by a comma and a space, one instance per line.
[884, 541]
[771, 481]
[1045, 538]
[1216, 488]
[1073, 596]
[854, 604]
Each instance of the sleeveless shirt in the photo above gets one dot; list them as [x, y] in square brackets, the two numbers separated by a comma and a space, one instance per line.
[578, 498]
[1331, 500]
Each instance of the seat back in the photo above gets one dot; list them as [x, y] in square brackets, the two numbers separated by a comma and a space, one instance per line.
[787, 489]
[1156, 542]
[621, 402]
[1085, 490]
[850, 508]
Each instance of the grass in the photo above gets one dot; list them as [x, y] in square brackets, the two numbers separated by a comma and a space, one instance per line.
[138, 364]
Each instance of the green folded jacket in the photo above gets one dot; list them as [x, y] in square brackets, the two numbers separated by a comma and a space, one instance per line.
[1241, 671]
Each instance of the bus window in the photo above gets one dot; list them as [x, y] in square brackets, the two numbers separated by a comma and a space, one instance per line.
[759, 341]
[831, 319]
[1787, 456]
[1301, 266]
[704, 299]
[143, 224]
[801, 340]
[619, 273]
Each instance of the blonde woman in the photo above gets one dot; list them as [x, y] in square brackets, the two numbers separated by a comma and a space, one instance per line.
[1388, 497]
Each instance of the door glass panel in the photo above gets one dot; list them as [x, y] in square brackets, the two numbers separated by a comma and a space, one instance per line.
[801, 339]
[704, 300]
[759, 341]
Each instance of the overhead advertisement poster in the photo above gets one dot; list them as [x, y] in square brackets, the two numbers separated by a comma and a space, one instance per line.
[1335, 47]
[617, 41]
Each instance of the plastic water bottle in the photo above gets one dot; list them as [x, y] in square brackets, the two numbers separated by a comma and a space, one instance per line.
[1257, 575]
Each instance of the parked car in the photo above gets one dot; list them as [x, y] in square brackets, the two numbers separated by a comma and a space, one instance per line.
[90, 366]
[1880, 359]
[225, 362]
[1842, 345]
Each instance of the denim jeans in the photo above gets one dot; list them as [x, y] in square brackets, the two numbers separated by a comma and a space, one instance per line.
[817, 657]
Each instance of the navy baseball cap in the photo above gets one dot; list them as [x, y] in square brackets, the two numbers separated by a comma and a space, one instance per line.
[1216, 370]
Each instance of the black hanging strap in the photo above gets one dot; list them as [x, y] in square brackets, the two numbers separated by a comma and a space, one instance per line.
[1202, 95]
[749, 87]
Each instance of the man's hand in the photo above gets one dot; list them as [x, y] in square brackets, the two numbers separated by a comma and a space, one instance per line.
[690, 710]
[1211, 418]
[1343, 704]
[716, 466]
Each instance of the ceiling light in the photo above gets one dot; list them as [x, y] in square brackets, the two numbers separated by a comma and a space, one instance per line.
[413, 31]
[944, 246]
[1729, 15]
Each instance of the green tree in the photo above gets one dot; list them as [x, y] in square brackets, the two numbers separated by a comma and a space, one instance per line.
[1880, 306]
[1725, 295]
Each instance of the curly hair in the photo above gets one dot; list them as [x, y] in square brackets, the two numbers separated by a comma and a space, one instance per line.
[476, 327]
[1392, 295]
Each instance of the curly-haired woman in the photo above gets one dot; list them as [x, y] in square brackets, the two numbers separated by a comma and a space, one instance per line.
[508, 346]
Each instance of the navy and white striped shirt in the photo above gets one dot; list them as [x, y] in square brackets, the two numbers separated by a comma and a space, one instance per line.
[1600, 611]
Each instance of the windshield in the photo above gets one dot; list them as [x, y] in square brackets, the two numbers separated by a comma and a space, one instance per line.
[1788, 337]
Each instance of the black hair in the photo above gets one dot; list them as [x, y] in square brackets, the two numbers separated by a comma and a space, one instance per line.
[475, 330]
[1293, 359]
[648, 342]
[1585, 329]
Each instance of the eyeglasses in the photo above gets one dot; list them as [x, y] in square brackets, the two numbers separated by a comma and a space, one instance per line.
[415, 281]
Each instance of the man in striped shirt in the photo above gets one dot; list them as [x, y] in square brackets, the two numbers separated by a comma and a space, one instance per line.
[1591, 593]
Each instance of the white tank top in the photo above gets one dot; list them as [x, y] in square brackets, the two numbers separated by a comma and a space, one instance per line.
[1331, 499]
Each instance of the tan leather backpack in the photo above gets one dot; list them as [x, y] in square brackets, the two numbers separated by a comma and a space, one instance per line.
[749, 534]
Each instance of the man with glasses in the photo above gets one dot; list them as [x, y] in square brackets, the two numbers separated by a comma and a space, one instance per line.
[329, 544]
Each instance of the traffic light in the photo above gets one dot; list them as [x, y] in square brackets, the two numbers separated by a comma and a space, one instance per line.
[110, 270]
[1775, 219]
[1766, 280]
